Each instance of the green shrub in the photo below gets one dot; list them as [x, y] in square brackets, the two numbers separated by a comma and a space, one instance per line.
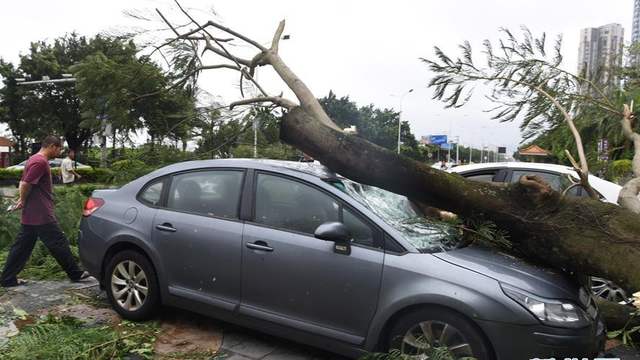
[96, 175]
[9, 224]
[619, 170]
[93, 175]
[127, 170]
[6, 174]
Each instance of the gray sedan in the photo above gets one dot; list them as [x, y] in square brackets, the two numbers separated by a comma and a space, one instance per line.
[294, 250]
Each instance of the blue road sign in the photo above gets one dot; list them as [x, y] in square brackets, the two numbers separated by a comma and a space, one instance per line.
[438, 139]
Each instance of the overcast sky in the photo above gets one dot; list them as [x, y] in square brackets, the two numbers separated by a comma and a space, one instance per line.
[366, 49]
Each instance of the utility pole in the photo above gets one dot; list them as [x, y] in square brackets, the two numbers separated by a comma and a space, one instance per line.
[400, 116]
[255, 137]
[457, 149]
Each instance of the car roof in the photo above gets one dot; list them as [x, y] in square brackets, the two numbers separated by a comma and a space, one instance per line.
[514, 165]
[310, 168]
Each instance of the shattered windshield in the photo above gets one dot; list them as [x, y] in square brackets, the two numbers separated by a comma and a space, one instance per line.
[427, 235]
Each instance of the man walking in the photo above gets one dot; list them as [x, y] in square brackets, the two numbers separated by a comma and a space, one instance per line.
[67, 170]
[38, 219]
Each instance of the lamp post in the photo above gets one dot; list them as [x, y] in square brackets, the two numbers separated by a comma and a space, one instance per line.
[46, 80]
[400, 117]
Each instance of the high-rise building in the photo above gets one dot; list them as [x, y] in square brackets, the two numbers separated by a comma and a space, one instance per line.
[635, 29]
[634, 59]
[600, 51]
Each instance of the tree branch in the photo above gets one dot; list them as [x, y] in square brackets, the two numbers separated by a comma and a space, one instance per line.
[278, 100]
[277, 36]
[223, 28]
[186, 77]
[628, 197]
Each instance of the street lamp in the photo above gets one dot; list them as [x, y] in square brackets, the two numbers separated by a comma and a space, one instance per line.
[46, 80]
[400, 117]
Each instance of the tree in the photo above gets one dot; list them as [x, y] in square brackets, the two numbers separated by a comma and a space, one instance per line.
[13, 108]
[379, 126]
[110, 77]
[524, 80]
[573, 234]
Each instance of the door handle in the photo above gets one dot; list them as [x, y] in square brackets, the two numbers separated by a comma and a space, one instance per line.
[166, 227]
[260, 245]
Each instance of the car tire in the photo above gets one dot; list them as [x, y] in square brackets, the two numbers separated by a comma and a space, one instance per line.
[127, 275]
[456, 328]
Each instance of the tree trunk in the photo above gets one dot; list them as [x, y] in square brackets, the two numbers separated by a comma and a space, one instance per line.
[575, 234]
[617, 316]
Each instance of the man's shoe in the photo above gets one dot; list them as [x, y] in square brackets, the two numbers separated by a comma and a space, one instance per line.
[84, 276]
[18, 282]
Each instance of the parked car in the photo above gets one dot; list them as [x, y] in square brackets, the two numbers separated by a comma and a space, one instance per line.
[560, 178]
[293, 250]
[53, 163]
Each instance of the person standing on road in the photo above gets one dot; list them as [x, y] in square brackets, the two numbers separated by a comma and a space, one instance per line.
[67, 170]
[38, 219]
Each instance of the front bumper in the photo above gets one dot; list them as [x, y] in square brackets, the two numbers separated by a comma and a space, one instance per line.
[515, 342]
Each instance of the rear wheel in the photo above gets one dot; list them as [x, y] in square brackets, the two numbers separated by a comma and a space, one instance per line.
[132, 287]
[429, 332]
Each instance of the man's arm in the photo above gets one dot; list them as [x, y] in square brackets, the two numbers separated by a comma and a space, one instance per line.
[25, 190]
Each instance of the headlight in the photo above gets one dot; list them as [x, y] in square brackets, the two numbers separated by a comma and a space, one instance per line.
[548, 311]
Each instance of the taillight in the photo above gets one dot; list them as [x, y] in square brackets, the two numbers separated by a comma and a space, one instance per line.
[91, 205]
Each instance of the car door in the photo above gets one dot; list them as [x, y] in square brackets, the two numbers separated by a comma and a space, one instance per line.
[199, 236]
[290, 277]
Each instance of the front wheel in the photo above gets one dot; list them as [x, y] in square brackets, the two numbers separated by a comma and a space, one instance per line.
[132, 287]
[429, 332]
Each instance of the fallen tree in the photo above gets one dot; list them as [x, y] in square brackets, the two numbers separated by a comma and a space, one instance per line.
[580, 235]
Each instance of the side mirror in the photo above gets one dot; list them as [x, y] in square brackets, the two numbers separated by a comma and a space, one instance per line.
[338, 233]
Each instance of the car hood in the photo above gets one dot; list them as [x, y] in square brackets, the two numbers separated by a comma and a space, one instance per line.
[507, 269]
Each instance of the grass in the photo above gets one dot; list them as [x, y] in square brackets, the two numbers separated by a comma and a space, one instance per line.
[67, 338]
[432, 354]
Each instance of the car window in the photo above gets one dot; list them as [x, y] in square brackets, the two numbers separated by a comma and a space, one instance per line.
[360, 231]
[291, 205]
[554, 180]
[211, 193]
[486, 176]
[152, 193]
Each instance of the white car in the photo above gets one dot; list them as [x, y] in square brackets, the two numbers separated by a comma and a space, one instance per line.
[560, 177]
[54, 163]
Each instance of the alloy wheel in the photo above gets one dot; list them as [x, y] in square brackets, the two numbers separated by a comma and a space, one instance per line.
[129, 285]
[426, 337]
[608, 290]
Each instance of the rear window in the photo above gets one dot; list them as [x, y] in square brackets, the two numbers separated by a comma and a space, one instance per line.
[152, 194]
[211, 193]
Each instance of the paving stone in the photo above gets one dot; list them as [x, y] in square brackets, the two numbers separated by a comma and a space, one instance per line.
[623, 352]
[236, 357]
[252, 348]
[187, 336]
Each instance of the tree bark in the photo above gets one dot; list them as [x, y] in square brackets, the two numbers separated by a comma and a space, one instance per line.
[575, 234]
[617, 316]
